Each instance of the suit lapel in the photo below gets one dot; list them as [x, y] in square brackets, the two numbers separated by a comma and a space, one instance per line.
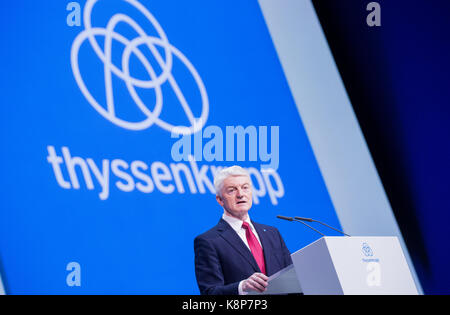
[227, 233]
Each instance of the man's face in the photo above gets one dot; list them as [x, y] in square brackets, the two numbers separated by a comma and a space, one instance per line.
[236, 196]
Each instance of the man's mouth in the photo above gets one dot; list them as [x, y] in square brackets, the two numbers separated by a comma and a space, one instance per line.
[242, 201]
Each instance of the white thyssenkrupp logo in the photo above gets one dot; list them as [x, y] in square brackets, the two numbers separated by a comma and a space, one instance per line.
[155, 82]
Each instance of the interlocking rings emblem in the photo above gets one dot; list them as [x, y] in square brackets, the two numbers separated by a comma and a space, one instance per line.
[367, 250]
[155, 82]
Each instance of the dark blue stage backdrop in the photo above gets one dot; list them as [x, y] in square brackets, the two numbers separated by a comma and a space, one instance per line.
[397, 78]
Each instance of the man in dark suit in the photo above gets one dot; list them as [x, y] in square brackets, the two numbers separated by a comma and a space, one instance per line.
[237, 255]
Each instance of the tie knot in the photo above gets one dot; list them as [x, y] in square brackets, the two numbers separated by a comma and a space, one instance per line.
[245, 225]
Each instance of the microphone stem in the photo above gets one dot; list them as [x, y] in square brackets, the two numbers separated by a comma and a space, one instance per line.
[331, 228]
[309, 226]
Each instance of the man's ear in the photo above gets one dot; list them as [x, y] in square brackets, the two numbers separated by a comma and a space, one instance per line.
[219, 200]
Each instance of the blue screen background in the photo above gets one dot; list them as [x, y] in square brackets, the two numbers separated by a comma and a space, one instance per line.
[133, 242]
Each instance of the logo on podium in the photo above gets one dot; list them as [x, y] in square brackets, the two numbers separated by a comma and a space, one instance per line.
[367, 250]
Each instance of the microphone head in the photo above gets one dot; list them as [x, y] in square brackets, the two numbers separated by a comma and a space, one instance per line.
[282, 217]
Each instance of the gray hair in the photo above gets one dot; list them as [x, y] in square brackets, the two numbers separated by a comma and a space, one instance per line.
[227, 172]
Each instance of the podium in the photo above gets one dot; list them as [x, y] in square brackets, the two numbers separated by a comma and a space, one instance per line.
[346, 265]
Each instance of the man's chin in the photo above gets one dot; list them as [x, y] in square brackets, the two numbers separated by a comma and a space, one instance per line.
[238, 213]
[243, 207]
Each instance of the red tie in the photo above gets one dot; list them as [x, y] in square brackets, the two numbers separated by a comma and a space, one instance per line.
[255, 247]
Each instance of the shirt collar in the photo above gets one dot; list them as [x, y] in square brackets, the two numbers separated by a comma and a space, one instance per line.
[236, 223]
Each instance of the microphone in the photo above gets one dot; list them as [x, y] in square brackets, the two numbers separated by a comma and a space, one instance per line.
[285, 218]
[297, 220]
[324, 224]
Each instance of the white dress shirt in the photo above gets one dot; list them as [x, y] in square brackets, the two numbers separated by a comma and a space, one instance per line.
[236, 225]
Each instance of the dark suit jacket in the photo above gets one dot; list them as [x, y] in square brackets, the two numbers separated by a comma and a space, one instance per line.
[222, 259]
